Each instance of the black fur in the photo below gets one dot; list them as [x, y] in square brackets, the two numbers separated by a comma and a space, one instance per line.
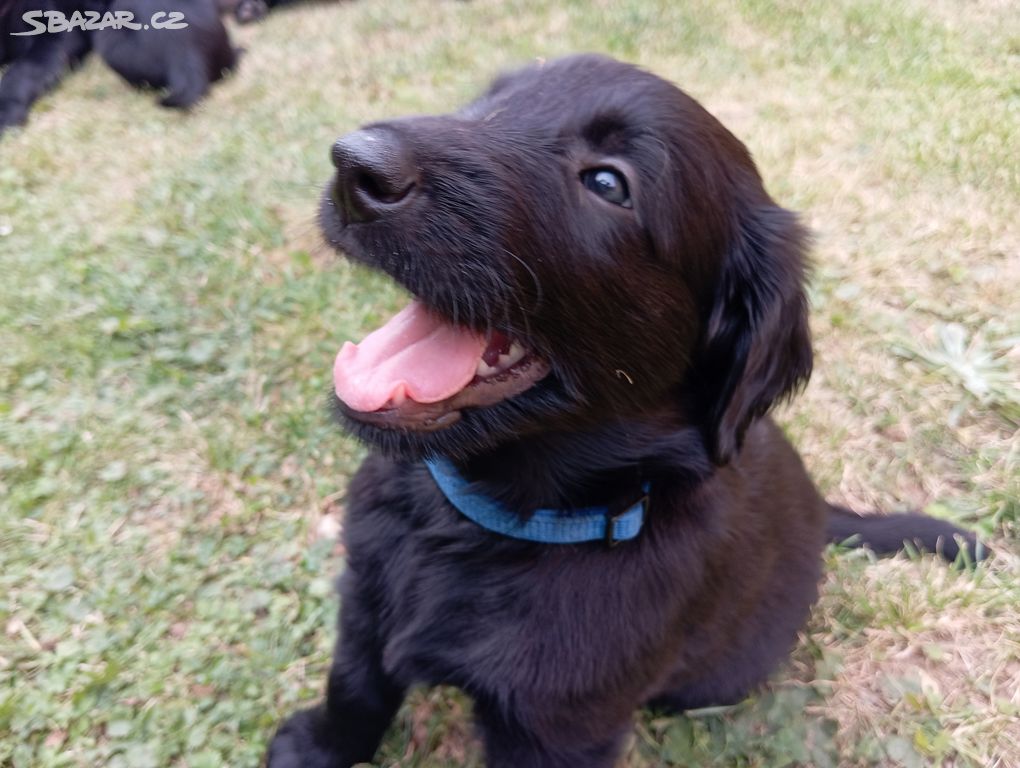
[889, 533]
[671, 328]
[35, 63]
[247, 11]
[182, 61]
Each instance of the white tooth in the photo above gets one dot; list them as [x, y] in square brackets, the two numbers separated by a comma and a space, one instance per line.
[484, 369]
[399, 397]
[514, 355]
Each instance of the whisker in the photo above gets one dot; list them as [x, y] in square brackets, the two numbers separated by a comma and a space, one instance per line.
[534, 278]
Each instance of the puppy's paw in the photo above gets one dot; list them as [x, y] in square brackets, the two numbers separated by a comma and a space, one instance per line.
[12, 115]
[180, 100]
[302, 742]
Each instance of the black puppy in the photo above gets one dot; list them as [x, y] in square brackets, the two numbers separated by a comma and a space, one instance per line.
[35, 62]
[183, 58]
[607, 303]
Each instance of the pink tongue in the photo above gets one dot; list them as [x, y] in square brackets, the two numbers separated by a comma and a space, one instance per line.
[415, 355]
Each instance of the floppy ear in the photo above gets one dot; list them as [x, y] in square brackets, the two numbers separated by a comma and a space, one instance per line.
[757, 347]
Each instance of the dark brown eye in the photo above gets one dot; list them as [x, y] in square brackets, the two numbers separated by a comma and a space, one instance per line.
[609, 184]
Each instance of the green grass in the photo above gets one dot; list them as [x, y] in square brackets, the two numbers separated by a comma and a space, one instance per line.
[168, 317]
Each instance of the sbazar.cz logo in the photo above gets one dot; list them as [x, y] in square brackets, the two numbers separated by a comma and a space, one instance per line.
[55, 21]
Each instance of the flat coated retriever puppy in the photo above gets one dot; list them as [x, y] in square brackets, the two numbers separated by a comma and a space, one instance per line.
[184, 61]
[578, 505]
[35, 63]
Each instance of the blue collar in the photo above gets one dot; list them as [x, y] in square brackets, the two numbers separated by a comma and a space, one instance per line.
[548, 526]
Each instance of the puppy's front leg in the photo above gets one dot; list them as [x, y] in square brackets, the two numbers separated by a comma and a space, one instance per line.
[361, 700]
[187, 81]
[27, 79]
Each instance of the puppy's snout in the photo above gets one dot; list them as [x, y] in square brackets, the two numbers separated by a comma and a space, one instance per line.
[375, 174]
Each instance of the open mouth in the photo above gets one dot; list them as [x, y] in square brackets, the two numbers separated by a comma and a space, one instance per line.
[419, 371]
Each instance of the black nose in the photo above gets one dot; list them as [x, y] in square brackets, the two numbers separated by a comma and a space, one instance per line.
[375, 174]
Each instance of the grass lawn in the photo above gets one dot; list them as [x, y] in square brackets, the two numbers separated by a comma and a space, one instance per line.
[170, 480]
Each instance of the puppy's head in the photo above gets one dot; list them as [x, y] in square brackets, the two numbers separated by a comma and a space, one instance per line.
[583, 243]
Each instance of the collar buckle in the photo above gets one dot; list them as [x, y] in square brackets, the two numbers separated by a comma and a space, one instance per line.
[610, 539]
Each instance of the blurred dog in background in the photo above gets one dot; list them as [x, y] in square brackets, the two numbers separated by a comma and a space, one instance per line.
[36, 62]
[247, 11]
[183, 59]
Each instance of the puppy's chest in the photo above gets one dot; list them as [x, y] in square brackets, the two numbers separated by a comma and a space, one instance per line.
[447, 601]
[460, 605]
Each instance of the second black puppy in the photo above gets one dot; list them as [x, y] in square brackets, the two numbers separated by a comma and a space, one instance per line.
[577, 505]
[184, 59]
[36, 62]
